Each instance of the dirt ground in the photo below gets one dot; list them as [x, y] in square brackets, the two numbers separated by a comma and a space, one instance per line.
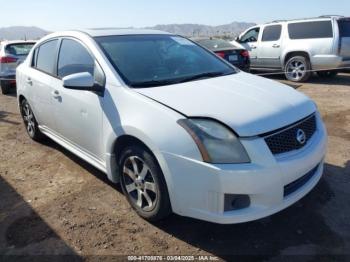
[52, 203]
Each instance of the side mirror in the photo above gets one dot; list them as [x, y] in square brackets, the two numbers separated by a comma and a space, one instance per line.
[81, 81]
[238, 39]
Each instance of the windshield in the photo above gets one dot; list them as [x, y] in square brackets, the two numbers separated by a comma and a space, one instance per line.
[19, 49]
[156, 60]
[215, 44]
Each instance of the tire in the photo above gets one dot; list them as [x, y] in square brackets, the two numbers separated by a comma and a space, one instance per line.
[143, 183]
[327, 74]
[30, 122]
[5, 87]
[298, 69]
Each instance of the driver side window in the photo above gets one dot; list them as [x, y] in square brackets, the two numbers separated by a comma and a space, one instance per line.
[74, 58]
[251, 36]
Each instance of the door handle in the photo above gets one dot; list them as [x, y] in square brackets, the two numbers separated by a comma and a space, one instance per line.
[276, 46]
[55, 94]
[253, 47]
[29, 81]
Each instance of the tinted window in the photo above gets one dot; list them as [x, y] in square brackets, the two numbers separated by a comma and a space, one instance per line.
[344, 28]
[214, 44]
[47, 56]
[74, 58]
[19, 49]
[153, 60]
[272, 33]
[307, 30]
[251, 36]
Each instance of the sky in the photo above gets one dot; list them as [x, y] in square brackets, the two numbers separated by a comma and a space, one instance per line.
[56, 15]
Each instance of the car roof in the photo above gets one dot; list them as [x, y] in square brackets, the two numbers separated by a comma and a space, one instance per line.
[323, 17]
[121, 31]
[102, 32]
[97, 32]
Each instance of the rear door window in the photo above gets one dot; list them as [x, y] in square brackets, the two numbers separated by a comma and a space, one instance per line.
[310, 30]
[272, 33]
[46, 57]
[344, 28]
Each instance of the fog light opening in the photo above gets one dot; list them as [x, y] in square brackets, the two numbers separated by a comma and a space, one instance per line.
[236, 202]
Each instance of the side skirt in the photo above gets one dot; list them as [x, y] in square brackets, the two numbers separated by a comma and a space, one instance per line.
[99, 164]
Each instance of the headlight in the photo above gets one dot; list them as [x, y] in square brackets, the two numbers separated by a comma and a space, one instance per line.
[217, 143]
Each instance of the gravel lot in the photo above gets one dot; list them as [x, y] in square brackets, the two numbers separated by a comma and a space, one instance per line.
[52, 203]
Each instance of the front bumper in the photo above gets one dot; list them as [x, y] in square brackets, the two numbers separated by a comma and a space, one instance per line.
[198, 189]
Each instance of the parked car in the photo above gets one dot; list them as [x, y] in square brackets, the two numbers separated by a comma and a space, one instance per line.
[298, 46]
[12, 53]
[236, 56]
[181, 130]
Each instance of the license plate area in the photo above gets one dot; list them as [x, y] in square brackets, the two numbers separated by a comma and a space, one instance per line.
[233, 58]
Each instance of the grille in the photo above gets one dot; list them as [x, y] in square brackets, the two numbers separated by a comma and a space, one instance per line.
[294, 186]
[286, 140]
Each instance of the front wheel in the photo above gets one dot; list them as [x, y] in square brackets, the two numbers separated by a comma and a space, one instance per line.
[298, 69]
[143, 183]
[30, 122]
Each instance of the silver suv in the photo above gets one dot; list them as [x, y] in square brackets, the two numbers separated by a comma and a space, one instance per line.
[12, 53]
[299, 47]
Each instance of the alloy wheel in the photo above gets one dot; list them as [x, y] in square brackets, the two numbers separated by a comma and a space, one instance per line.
[139, 183]
[28, 119]
[296, 70]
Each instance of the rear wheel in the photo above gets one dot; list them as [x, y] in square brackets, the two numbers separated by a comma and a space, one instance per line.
[298, 69]
[327, 74]
[143, 183]
[30, 122]
[5, 87]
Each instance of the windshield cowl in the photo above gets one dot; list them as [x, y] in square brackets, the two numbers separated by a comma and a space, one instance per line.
[155, 83]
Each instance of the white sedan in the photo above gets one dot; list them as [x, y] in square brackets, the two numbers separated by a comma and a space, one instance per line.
[181, 130]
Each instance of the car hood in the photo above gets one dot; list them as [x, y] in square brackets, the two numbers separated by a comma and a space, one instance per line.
[249, 104]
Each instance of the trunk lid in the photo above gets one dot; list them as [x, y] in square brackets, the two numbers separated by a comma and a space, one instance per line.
[17, 51]
[233, 56]
[9, 68]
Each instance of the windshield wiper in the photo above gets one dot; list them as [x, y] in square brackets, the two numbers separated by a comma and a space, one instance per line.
[203, 75]
[154, 83]
[151, 83]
